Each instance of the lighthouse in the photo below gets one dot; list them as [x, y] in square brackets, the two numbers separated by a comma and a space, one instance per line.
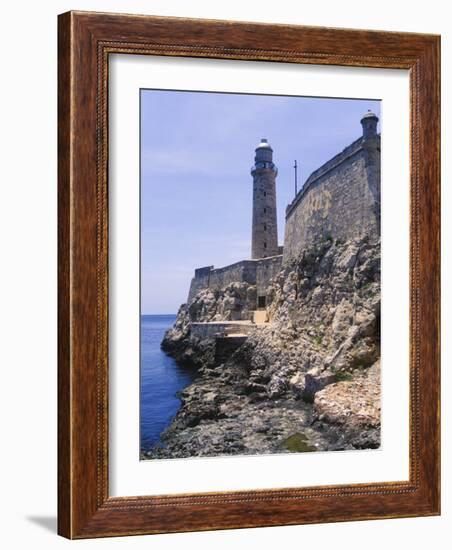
[264, 242]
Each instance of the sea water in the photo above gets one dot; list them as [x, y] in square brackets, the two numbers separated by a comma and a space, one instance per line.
[160, 378]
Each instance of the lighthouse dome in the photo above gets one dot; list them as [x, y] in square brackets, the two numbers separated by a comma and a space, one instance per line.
[369, 123]
[264, 152]
[264, 145]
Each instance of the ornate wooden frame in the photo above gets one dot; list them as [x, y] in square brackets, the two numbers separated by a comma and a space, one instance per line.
[85, 42]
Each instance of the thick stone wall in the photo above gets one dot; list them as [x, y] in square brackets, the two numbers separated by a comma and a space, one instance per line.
[253, 272]
[266, 269]
[340, 200]
[220, 329]
[216, 279]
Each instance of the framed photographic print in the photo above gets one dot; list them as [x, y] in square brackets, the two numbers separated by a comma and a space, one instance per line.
[248, 275]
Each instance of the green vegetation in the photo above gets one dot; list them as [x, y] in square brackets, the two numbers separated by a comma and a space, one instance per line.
[318, 339]
[341, 376]
[361, 366]
[297, 443]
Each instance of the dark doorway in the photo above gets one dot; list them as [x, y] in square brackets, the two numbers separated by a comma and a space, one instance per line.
[261, 302]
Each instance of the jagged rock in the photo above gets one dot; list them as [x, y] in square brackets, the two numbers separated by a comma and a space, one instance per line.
[352, 408]
[315, 383]
[347, 259]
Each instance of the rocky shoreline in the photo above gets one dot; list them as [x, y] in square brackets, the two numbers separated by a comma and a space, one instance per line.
[309, 380]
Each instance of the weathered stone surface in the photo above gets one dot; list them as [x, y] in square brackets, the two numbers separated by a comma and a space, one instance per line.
[264, 240]
[256, 273]
[340, 201]
[351, 409]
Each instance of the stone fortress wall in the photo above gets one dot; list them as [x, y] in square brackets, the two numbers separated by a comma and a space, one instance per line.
[254, 272]
[340, 200]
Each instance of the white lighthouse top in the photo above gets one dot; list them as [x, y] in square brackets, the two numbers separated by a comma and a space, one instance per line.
[263, 159]
[264, 144]
[369, 114]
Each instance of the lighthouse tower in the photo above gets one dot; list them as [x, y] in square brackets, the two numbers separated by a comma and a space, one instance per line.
[265, 231]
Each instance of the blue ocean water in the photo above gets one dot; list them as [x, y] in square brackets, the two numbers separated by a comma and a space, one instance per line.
[161, 378]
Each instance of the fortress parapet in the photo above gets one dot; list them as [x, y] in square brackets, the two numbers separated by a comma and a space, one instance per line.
[201, 272]
[253, 272]
[339, 200]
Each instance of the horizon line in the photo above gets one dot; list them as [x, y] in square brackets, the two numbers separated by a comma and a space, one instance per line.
[161, 314]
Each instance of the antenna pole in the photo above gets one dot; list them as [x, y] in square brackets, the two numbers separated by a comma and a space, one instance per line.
[296, 182]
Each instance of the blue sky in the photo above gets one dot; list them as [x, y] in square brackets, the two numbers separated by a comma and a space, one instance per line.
[197, 149]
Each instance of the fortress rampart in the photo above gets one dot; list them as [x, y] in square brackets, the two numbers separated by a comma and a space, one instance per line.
[213, 330]
[254, 272]
[340, 200]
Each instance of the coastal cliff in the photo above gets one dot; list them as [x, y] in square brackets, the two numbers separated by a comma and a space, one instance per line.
[305, 380]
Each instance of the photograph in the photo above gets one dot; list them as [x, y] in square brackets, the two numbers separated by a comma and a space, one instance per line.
[225, 233]
[260, 260]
